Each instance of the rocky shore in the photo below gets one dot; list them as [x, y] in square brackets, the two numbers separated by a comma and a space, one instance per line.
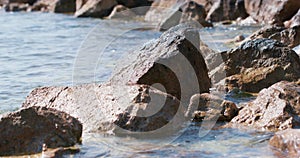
[169, 81]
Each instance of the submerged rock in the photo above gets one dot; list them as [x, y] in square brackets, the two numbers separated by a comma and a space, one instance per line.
[25, 131]
[258, 64]
[167, 14]
[173, 64]
[269, 12]
[275, 108]
[287, 142]
[95, 8]
[212, 107]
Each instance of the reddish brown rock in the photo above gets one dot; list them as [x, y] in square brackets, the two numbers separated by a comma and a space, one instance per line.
[56, 6]
[270, 12]
[103, 108]
[167, 14]
[258, 64]
[226, 10]
[275, 108]
[25, 131]
[290, 36]
[286, 143]
[294, 21]
[158, 63]
[211, 107]
[95, 8]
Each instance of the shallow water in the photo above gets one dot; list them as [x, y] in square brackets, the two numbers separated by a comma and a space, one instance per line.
[39, 49]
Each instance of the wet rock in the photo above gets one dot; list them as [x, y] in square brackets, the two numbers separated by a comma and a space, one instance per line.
[258, 64]
[269, 12]
[167, 14]
[95, 8]
[16, 7]
[275, 108]
[290, 36]
[25, 131]
[3, 2]
[55, 6]
[294, 21]
[212, 107]
[287, 142]
[226, 10]
[122, 12]
[106, 107]
[173, 61]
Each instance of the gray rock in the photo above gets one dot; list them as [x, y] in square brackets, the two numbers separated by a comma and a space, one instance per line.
[95, 8]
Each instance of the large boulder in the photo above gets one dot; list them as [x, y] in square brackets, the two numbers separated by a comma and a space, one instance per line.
[226, 10]
[258, 64]
[135, 3]
[290, 36]
[95, 8]
[173, 61]
[275, 108]
[286, 143]
[29, 129]
[167, 14]
[270, 12]
[103, 108]
[294, 21]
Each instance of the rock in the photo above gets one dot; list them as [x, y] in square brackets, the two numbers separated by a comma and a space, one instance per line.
[247, 21]
[167, 14]
[3, 2]
[212, 107]
[294, 21]
[122, 12]
[226, 10]
[157, 62]
[269, 12]
[258, 64]
[102, 108]
[297, 50]
[25, 131]
[95, 8]
[16, 7]
[275, 108]
[287, 142]
[290, 36]
[135, 3]
[55, 6]
[30, 2]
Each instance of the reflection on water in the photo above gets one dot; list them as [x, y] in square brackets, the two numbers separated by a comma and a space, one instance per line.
[40, 50]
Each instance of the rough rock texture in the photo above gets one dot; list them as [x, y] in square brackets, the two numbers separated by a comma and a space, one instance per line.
[226, 10]
[121, 12]
[30, 2]
[172, 61]
[25, 131]
[290, 36]
[258, 64]
[287, 142]
[294, 21]
[167, 14]
[275, 108]
[102, 107]
[270, 11]
[212, 107]
[95, 8]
